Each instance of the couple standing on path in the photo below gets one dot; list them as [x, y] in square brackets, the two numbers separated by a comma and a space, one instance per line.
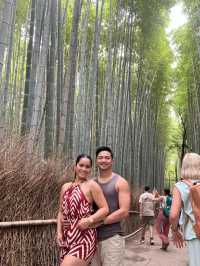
[91, 210]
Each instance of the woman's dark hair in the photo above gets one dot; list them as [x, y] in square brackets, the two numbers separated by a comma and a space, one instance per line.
[167, 191]
[79, 157]
[104, 148]
[83, 155]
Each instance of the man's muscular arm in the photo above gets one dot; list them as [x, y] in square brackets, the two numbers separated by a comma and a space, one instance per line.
[124, 203]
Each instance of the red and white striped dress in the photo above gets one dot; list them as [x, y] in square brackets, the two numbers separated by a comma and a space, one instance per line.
[81, 244]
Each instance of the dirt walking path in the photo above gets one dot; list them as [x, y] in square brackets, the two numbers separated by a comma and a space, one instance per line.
[145, 255]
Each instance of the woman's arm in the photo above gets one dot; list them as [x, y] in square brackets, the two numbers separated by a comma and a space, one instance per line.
[100, 214]
[99, 199]
[175, 208]
[174, 218]
[60, 216]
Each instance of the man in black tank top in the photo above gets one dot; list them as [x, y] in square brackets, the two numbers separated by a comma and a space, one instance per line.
[111, 245]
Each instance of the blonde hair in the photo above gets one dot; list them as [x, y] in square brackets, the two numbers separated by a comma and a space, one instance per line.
[190, 166]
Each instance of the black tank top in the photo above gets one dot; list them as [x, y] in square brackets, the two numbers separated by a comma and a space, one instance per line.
[111, 195]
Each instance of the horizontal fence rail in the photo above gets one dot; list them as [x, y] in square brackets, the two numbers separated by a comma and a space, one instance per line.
[27, 223]
[32, 242]
[37, 222]
[134, 233]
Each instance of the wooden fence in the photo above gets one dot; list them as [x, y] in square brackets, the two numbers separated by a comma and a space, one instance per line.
[32, 243]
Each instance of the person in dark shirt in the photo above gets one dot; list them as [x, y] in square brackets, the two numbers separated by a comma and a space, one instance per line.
[111, 245]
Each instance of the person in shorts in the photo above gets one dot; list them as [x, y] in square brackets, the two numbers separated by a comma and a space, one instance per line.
[146, 202]
[111, 243]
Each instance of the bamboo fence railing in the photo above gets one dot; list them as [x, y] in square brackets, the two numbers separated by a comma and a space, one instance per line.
[32, 242]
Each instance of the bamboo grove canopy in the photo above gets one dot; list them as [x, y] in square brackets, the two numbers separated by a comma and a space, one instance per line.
[78, 74]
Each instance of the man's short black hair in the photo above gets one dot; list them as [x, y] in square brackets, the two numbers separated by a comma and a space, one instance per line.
[104, 148]
[146, 188]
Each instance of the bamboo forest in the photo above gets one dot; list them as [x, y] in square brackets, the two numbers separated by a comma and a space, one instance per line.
[79, 74]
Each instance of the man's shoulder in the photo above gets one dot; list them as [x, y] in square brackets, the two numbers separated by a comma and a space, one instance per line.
[142, 195]
[150, 194]
[120, 178]
[122, 184]
[147, 195]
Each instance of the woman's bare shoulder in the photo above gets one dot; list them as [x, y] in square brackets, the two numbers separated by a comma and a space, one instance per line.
[66, 186]
[93, 184]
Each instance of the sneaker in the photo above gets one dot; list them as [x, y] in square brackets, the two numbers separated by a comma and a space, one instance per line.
[151, 241]
[142, 240]
[164, 247]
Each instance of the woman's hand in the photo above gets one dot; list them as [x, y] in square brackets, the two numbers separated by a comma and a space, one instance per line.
[84, 223]
[177, 239]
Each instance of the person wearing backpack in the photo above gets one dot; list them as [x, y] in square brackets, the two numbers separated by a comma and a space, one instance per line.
[162, 221]
[186, 202]
[147, 206]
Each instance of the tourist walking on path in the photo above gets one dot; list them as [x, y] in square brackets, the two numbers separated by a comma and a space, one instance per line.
[186, 198]
[111, 244]
[147, 208]
[75, 237]
[162, 221]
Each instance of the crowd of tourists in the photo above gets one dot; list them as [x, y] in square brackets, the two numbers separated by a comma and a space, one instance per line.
[91, 210]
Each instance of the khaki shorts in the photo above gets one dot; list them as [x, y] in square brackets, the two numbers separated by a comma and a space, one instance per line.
[110, 252]
[148, 220]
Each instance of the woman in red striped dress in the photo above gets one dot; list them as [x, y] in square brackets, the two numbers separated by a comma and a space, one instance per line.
[75, 235]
